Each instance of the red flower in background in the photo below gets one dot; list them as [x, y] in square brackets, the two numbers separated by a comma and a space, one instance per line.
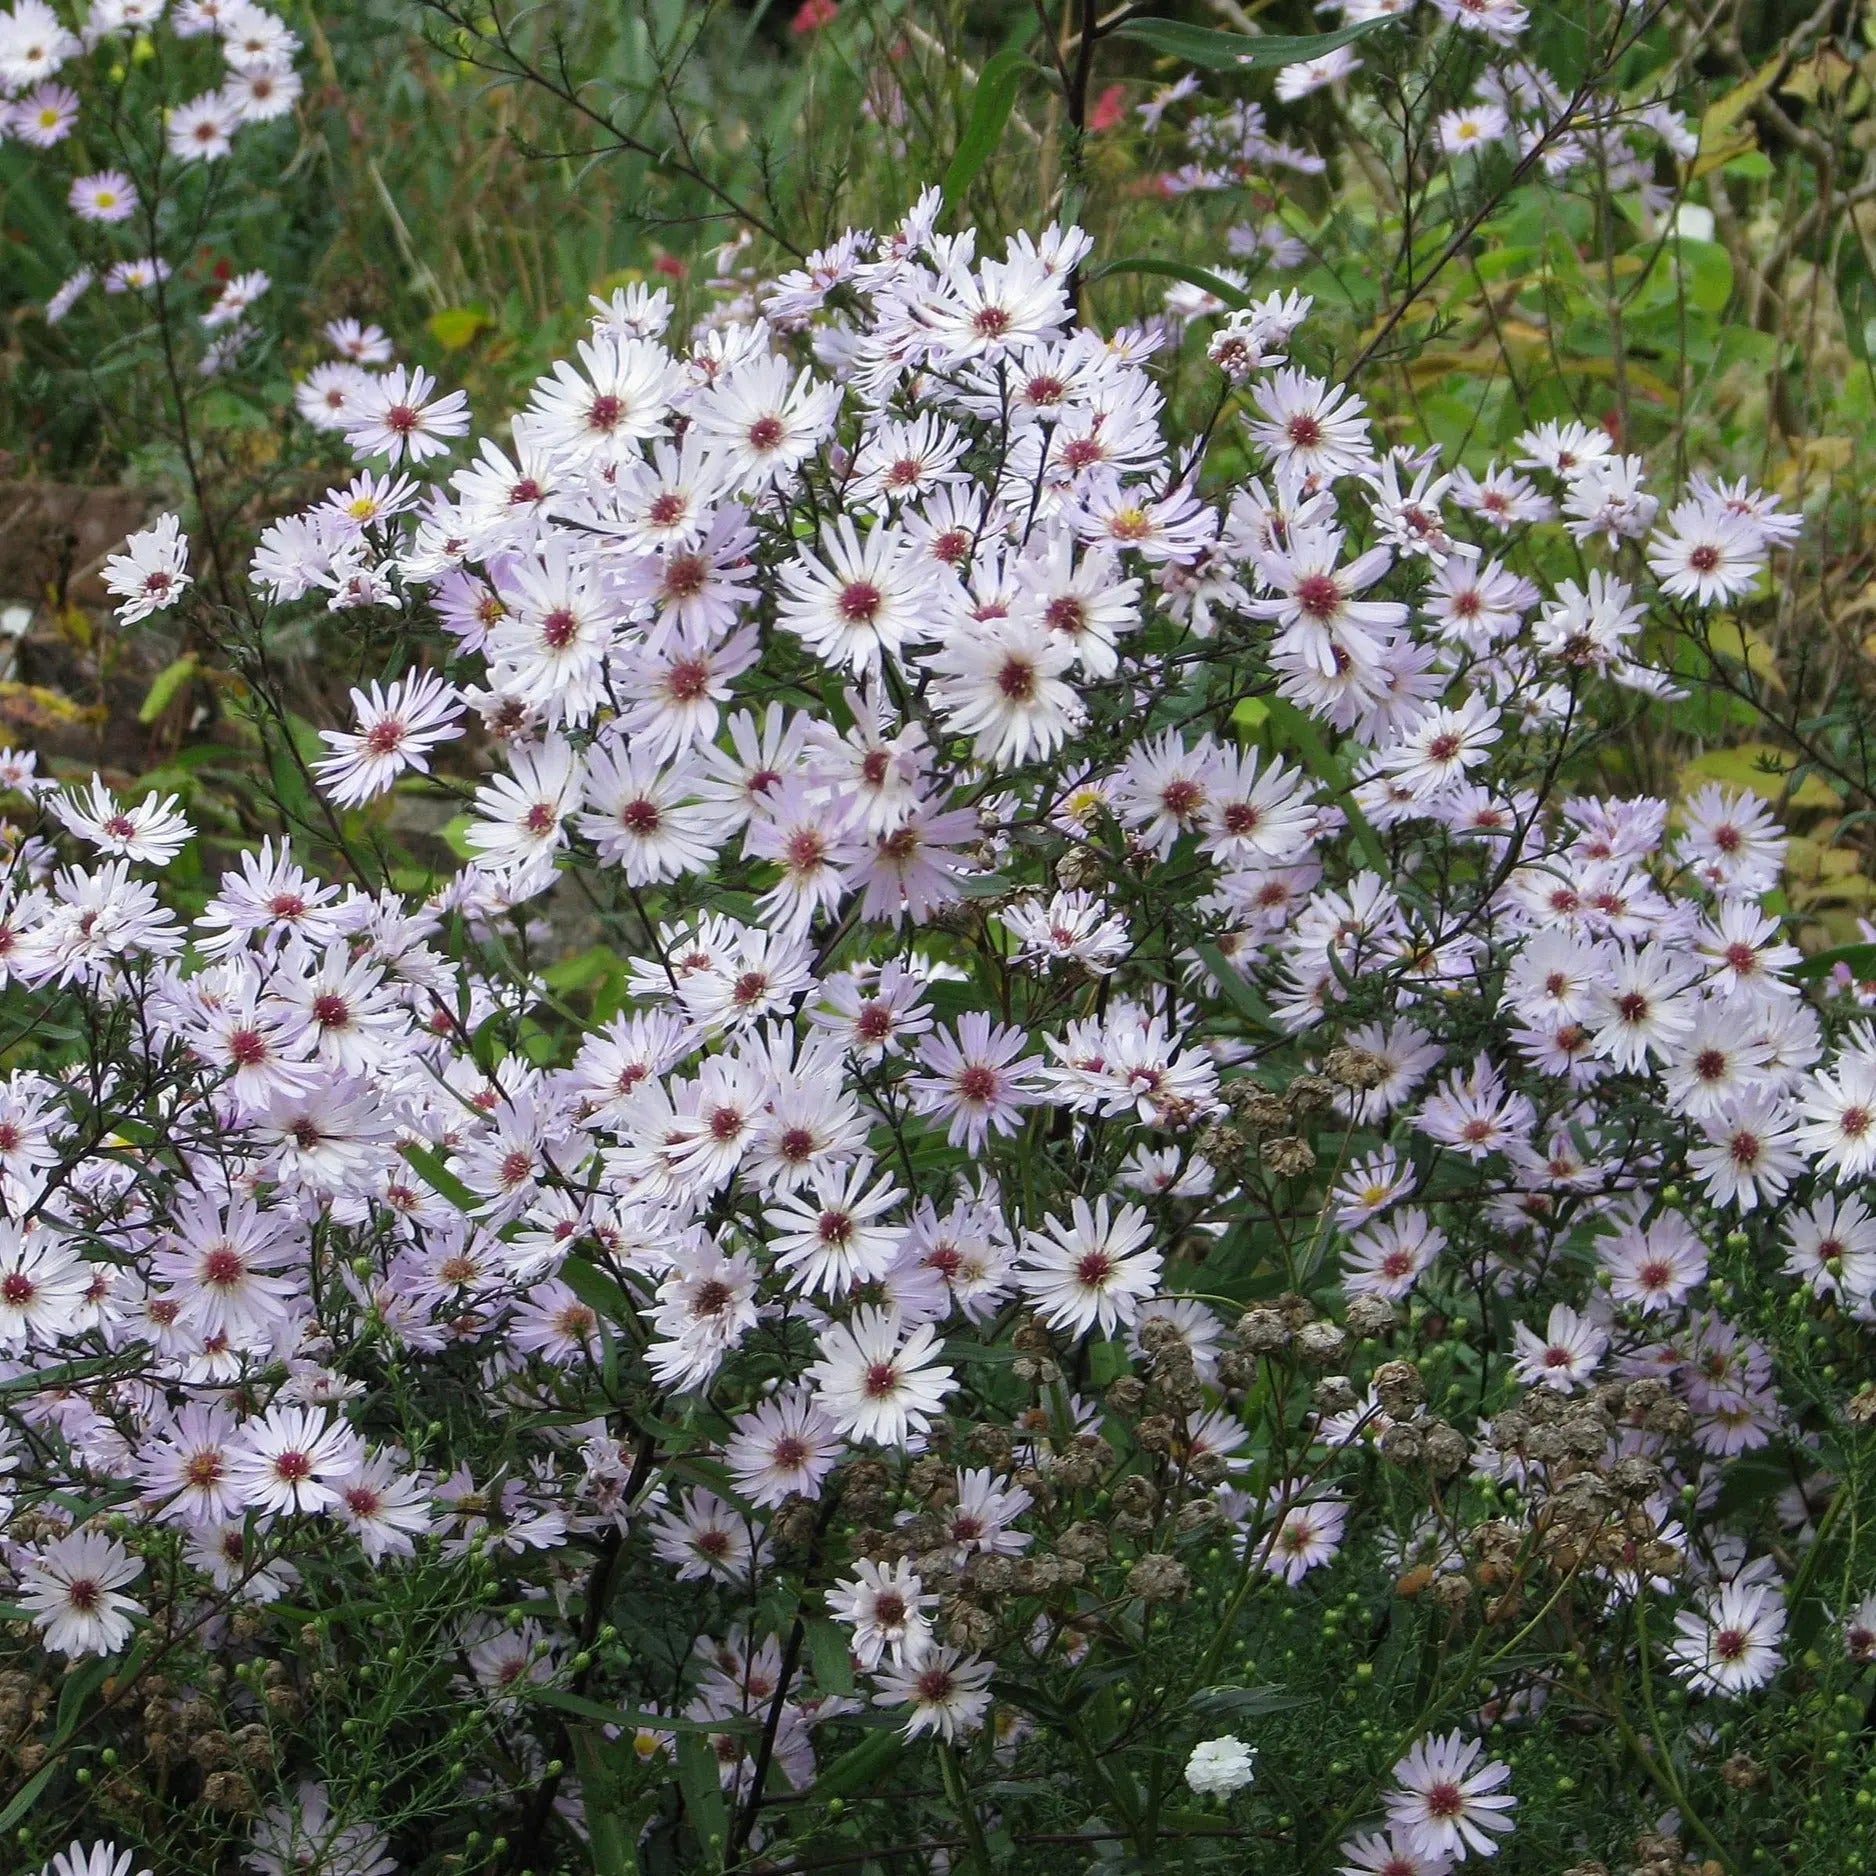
[812, 14]
[1109, 108]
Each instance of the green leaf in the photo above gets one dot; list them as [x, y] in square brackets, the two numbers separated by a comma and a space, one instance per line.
[703, 1795]
[856, 1770]
[1233, 984]
[984, 885]
[455, 832]
[607, 1832]
[1172, 270]
[612, 1844]
[1860, 959]
[597, 1290]
[990, 110]
[80, 1684]
[28, 1795]
[634, 1717]
[163, 689]
[1243, 1702]
[290, 790]
[827, 1649]
[1239, 52]
[442, 1181]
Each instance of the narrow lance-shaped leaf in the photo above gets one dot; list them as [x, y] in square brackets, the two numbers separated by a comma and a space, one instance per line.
[1172, 270]
[1240, 52]
[991, 103]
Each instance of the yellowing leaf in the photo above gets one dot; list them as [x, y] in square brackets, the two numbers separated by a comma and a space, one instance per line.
[168, 682]
[1822, 75]
[1724, 112]
[39, 707]
[1764, 769]
[1745, 646]
[457, 326]
[1728, 148]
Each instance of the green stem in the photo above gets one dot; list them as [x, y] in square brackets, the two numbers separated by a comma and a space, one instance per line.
[1659, 1763]
[978, 1853]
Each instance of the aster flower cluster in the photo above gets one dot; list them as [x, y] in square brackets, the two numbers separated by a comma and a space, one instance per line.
[1100, 954]
[1227, 147]
[64, 85]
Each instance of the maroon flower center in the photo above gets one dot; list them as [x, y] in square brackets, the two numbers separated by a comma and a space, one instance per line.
[1319, 595]
[247, 1048]
[859, 602]
[223, 1268]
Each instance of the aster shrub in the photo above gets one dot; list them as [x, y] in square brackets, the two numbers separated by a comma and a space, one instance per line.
[965, 1128]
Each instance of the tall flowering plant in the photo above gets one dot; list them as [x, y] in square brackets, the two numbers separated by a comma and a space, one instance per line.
[138, 242]
[1048, 1049]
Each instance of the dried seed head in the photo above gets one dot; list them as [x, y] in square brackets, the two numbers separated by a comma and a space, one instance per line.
[991, 1442]
[229, 1791]
[1263, 1331]
[1257, 1108]
[1445, 1453]
[1370, 1316]
[1452, 1593]
[1289, 1156]
[1137, 1494]
[1127, 1394]
[1354, 1068]
[1635, 1477]
[1159, 1578]
[1309, 1092]
[863, 1486]
[1742, 1773]
[1399, 1387]
[1322, 1344]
